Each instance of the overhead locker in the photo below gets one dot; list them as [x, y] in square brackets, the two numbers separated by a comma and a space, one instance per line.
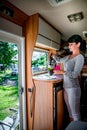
[47, 35]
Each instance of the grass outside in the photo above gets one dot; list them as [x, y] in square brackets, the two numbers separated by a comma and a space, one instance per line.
[8, 95]
[8, 99]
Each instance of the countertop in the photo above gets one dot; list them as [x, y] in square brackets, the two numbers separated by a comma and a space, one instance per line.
[47, 77]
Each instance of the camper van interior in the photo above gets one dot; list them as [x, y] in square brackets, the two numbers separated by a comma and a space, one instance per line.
[41, 28]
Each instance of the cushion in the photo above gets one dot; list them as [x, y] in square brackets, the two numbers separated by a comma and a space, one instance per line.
[77, 125]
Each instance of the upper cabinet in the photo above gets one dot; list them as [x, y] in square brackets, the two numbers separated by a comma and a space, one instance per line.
[47, 35]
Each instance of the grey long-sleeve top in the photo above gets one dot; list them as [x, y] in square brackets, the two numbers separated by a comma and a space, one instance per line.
[73, 68]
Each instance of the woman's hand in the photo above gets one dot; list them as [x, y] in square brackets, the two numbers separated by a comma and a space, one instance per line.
[59, 72]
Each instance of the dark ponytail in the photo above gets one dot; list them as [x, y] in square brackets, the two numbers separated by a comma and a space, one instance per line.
[83, 46]
[77, 38]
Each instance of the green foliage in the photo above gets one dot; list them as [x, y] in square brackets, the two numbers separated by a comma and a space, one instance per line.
[39, 61]
[7, 75]
[0, 79]
[7, 52]
[50, 68]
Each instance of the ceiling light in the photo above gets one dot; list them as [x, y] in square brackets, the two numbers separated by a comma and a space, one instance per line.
[75, 17]
[55, 3]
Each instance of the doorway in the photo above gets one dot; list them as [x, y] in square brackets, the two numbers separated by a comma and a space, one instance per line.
[19, 73]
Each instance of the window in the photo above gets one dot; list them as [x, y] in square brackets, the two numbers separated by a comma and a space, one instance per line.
[39, 61]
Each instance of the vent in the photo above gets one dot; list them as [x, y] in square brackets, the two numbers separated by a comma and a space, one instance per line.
[56, 3]
[5, 10]
[85, 34]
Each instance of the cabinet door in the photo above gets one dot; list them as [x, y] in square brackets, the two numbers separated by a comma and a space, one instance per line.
[43, 109]
[60, 110]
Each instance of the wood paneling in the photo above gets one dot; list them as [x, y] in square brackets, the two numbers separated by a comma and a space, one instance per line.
[60, 112]
[43, 114]
[30, 31]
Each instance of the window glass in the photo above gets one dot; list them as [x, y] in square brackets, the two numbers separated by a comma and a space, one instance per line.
[39, 61]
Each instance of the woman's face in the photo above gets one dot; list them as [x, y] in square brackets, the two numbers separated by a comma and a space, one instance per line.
[73, 46]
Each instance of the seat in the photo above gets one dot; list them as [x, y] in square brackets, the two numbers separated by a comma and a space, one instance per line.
[77, 125]
[10, 122]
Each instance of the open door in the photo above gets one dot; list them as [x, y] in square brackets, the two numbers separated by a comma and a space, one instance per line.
[19, 42]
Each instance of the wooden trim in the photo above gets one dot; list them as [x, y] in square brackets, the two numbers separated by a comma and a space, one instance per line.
[41, 47]
[31, 32]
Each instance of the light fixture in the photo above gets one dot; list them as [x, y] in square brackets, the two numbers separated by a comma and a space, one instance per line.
[75, 17]
[55, 3]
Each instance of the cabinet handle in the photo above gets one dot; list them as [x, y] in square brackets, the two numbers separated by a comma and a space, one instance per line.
[31, 90]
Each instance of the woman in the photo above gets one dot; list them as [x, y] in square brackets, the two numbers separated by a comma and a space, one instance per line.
[73, 65]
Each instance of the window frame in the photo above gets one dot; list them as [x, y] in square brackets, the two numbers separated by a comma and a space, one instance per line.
[40, 50]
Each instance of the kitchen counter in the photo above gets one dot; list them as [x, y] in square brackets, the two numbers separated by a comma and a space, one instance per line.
[49, 104]
[47, 77]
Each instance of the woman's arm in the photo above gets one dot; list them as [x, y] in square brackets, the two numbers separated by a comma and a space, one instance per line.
[59, 72]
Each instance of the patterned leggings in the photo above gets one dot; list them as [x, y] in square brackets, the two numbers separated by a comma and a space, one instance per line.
[72, 100]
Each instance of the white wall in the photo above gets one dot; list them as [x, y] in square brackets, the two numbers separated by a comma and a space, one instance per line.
[8, 26]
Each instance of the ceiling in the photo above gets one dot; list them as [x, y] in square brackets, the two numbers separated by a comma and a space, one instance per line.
[57, 16]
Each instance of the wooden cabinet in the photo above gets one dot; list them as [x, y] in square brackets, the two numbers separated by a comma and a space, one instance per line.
[48, 105]
[60, 110]
[83, 104]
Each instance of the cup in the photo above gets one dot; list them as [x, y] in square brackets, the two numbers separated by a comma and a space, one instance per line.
[50, 72]
[57, 67]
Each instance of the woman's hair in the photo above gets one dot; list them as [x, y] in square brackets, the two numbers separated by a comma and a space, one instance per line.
[77, 38]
